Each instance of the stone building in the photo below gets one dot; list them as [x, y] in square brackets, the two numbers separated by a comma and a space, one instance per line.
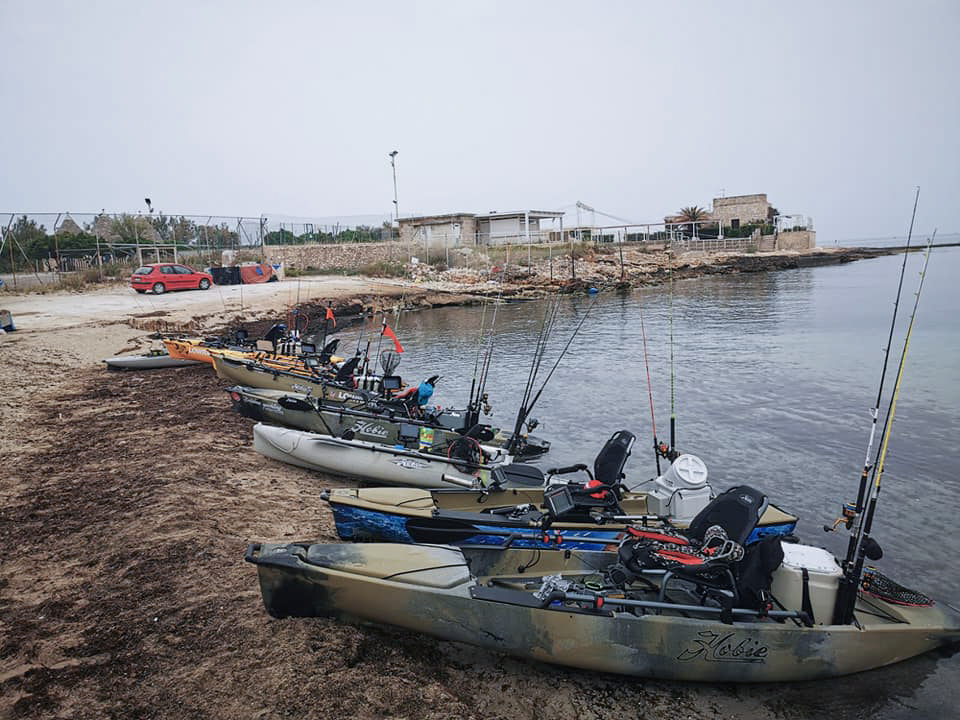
[469, 229]
[733, 211]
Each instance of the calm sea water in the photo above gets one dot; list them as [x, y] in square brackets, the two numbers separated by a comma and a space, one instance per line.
[774, 378]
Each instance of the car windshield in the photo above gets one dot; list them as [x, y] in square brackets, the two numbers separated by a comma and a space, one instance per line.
[142, 270]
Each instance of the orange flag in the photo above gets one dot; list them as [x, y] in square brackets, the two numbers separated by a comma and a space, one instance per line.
[390, 334]
[331, 317]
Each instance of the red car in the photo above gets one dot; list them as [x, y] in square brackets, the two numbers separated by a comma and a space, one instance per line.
[160, 277]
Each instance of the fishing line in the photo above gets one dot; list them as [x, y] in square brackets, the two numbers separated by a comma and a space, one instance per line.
[646, 362]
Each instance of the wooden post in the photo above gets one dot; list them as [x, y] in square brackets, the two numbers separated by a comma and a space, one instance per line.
[621, 254]
[96, 235]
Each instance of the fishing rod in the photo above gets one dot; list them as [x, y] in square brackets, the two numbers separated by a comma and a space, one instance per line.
[852, 513]
[549, 314]
[383, 327]
[886, 359]
[476, 361]
[864, 545]
[564, 351]
[673, 412]
[538, 350]
[527, 408]
[478, 398]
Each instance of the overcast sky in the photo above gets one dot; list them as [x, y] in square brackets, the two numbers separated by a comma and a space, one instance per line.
[835, 109]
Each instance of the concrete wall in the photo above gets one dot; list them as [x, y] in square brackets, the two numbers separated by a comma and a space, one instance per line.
[797, 240]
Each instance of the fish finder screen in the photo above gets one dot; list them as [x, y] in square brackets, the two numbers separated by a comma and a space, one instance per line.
[558, 500]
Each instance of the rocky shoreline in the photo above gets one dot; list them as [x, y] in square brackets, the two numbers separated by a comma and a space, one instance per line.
[596, 271]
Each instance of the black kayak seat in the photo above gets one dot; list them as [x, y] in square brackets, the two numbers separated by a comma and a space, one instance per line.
[346, 370]
[736, 510]
[608, 465]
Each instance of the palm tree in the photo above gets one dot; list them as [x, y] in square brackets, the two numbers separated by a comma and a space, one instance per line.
[692, 215]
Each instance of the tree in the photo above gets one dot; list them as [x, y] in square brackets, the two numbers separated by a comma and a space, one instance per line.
[27, 237]
[217, 236]
[692, 215]
[132, 229]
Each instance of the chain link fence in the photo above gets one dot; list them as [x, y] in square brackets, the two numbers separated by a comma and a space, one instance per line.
[45, 246]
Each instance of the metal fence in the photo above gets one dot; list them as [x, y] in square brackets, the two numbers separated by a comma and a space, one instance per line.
[70, 242]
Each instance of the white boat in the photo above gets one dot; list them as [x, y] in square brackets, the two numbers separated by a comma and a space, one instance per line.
[152, 360]
[390, 464]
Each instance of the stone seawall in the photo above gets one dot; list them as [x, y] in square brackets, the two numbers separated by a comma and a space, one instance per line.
[339, 257]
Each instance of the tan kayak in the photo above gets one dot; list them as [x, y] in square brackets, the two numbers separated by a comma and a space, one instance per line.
[562, 607]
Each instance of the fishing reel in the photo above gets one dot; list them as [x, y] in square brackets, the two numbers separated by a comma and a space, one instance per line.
[487, 408]
[663, 450]
[846, 519]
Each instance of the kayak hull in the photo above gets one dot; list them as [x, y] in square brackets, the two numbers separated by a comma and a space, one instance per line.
[450, 594]
[465, 517]
[147, 362]
[304, 412]
[364, 460]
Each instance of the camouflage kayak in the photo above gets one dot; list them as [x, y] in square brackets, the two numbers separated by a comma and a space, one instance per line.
[572, 608]
[260, 372]
[373, 421]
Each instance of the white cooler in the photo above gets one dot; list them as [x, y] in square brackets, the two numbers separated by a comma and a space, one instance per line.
[824, 574]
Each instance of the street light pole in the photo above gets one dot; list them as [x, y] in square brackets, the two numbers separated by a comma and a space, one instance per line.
[396, 206]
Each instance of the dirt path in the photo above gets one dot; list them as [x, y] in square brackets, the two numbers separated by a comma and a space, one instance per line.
[126, 503]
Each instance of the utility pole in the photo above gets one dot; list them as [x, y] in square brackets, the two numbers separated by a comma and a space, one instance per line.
[396, 206]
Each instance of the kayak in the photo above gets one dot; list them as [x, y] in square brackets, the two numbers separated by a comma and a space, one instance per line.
[373, 420]
[149, 361]
[517, 515]
[392, 464]
[574, 608]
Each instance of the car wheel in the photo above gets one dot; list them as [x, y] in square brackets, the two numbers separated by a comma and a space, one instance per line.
[204, 284]
[159, 289]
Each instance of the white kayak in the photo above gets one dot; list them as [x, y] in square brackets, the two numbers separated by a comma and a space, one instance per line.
[150, 361]
[390, 464]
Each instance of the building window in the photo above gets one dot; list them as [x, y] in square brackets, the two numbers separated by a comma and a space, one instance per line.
[735, 223]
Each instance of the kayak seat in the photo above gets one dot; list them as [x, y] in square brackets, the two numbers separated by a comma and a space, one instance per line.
[603, 488]
[736, 510]
[345, 372]
[329, 349]
[608, 465]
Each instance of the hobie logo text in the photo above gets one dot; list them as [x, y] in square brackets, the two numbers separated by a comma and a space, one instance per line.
[369, 428]
[714, 647]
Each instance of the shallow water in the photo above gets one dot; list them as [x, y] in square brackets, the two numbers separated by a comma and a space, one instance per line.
[775, 375]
